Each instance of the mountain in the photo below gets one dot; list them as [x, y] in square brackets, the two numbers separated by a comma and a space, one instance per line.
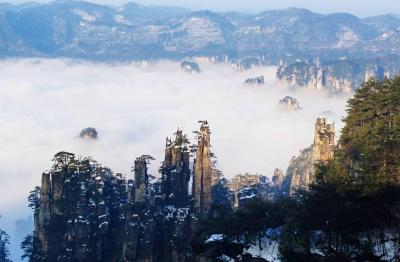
[78, 29]
[383, 23]
[338, 75]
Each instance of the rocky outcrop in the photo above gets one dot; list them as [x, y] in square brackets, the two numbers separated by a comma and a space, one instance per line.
[248, 63]
[302, 169]
[158, 228]
[259, 80]
[277, 178]
[241, 181]
[141, 178]
[261, 189]
[335, 76]
[324, 141]
[299, 173]
[190, 67]
[88, 133]
[204, 176]
[277, 183]
[175, 170]
[139, 237]
[289, 103]
[79, 208]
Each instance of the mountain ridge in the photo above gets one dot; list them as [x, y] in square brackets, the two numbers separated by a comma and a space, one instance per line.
[79, 29]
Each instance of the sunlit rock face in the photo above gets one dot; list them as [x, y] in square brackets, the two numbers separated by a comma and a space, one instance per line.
[289, 103]
[324, 140]
[334, 76]
[204, 173]
[337, 76]
[88, 133]
[301, 171]
[190, 67]
[277, 178]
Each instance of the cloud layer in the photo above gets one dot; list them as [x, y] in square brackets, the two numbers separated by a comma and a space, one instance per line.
[45, 103]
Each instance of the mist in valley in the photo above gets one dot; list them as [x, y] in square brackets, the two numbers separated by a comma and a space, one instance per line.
[46, 103]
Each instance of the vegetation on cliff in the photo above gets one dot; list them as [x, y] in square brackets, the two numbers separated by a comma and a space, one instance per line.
[350, 211]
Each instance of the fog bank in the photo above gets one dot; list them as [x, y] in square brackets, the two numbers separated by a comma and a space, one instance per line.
[45, 103]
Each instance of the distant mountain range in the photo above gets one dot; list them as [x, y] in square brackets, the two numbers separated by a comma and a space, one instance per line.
[135, 32]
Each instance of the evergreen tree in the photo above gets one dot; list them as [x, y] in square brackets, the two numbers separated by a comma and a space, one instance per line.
[350, 213]
[370, 140]
[4, 242]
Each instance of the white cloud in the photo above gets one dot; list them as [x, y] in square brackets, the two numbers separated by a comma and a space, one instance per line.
[45, 103]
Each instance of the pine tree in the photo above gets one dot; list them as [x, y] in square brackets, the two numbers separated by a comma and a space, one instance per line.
[370, 141]
[4, 242]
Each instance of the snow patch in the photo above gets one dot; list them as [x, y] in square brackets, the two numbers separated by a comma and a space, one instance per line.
[85, 15]
[215, 238]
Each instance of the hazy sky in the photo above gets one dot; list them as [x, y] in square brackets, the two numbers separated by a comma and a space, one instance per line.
[357, 7]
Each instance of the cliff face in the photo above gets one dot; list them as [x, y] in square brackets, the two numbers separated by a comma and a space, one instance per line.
[240, 181]
[175, 170]
[204, 173]
[141, 179]
[336, 76]
[85, 213]
[324, 141]
[139, 224]
[158, 227]
[301, 171]
[79, 215]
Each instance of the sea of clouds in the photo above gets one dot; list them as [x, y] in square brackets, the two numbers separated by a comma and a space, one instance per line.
[45, 103]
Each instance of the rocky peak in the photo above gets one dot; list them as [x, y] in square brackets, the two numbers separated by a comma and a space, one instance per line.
[289, 103]
[277, 178]
[141, 178]
[175, 170]
[324, 140]
[190, 67]
[88, 133]
[301, 171]
[78, 204]
[204, 173]
[259, 80]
